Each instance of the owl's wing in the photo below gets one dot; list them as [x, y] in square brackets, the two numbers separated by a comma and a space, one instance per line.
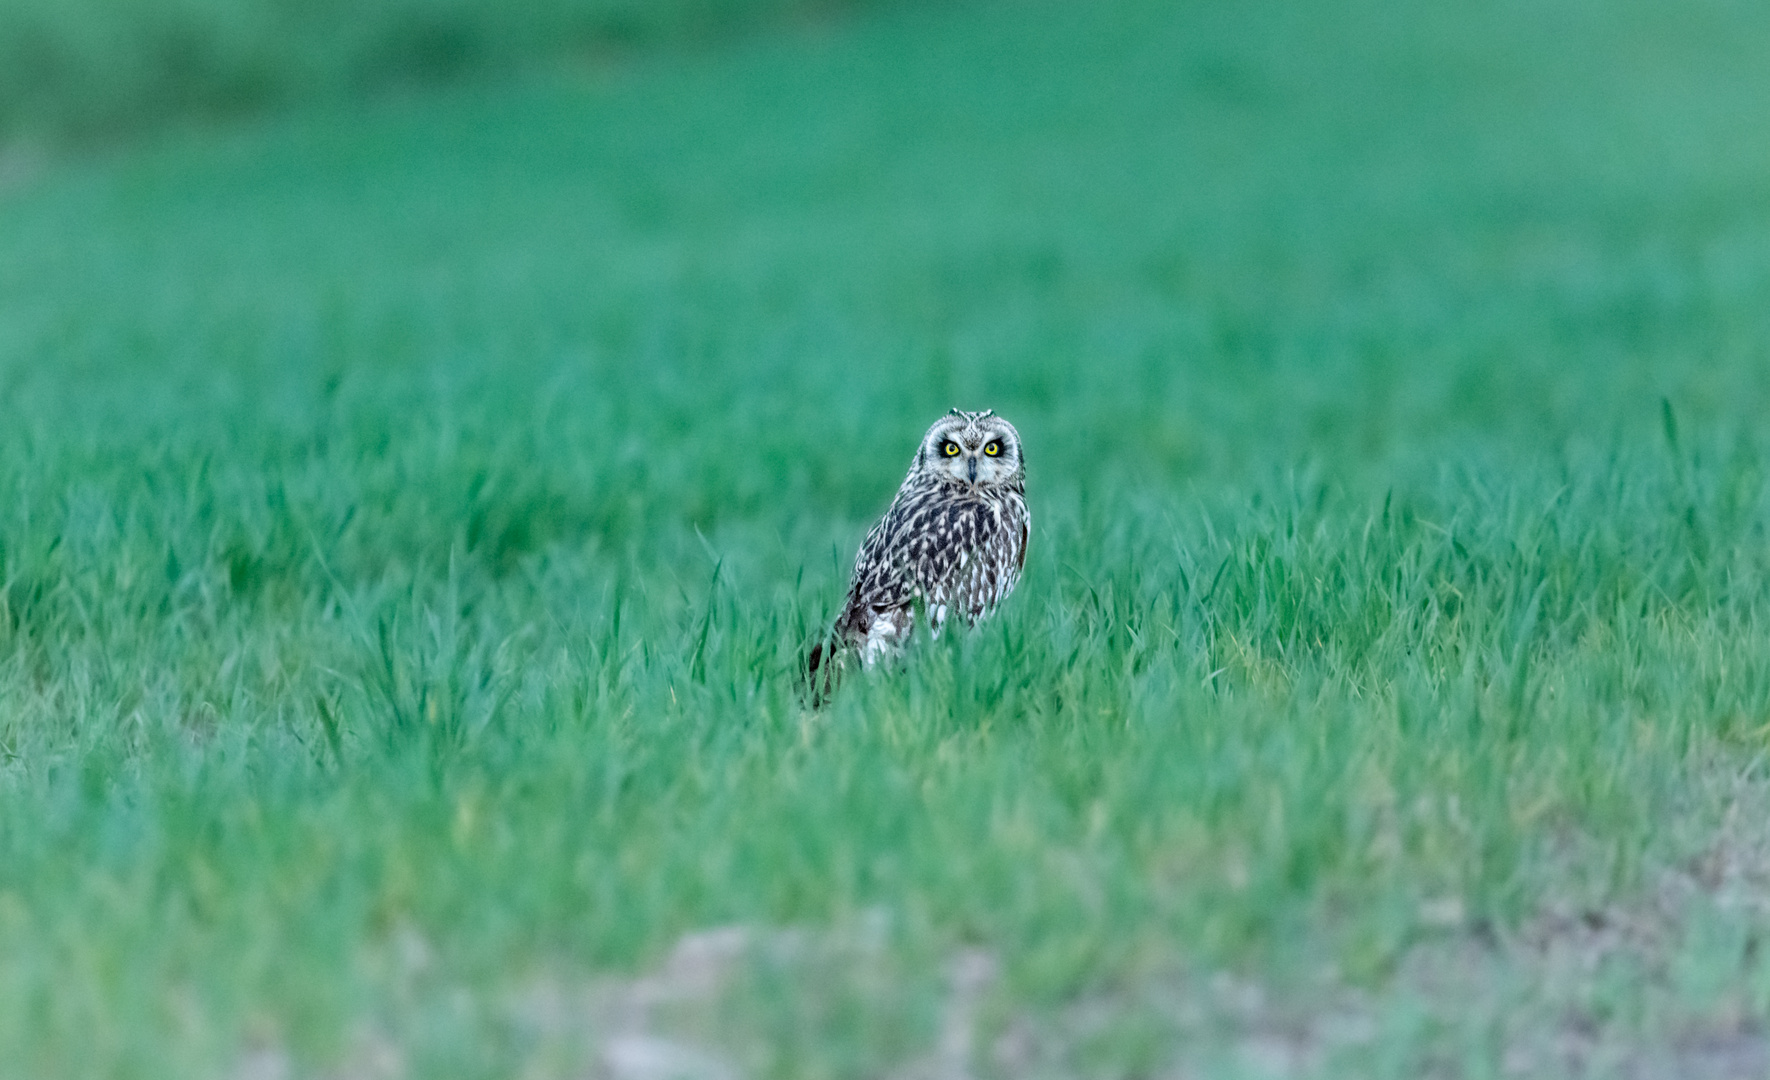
[882, 580]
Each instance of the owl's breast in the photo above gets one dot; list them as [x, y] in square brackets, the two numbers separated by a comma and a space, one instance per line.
[972, 554]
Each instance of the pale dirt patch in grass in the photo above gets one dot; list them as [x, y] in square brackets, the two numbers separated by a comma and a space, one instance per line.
[610, 1027]
[371, 1057]
[970, 977]
[1566, 963]
[1578, 991]
[1541, 997]
[675, 1021]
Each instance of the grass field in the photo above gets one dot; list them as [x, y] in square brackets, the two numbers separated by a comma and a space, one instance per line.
[81, 70]
[412, 518]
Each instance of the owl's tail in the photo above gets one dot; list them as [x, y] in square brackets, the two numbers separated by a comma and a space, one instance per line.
[822, 672]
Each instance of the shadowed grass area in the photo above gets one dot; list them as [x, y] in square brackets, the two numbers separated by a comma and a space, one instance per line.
[414, 519]
[72, 69]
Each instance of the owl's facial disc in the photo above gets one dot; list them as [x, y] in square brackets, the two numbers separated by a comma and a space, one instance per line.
[974, 449]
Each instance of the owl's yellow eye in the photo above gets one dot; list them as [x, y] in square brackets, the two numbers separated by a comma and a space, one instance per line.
[993, 448]
[950, 448]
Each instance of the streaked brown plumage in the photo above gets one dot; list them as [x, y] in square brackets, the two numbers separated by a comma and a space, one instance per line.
[952, 543]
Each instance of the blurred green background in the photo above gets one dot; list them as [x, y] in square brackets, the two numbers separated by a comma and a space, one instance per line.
[429, 437]
[91, 68]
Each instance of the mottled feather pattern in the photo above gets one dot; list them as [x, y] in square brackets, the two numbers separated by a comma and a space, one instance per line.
[957, 552]
[952, 543]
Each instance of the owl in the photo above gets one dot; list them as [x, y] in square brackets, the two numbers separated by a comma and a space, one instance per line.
[952, 544]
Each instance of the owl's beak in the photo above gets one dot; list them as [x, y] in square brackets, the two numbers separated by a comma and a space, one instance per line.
[971, 466]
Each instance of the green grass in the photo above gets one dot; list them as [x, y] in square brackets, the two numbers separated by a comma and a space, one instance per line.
[79, 69]
[413, 519]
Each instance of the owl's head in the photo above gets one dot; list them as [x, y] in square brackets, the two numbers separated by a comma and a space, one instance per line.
[977, 449]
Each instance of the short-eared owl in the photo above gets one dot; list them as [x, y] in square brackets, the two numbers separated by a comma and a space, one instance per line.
[952, 543]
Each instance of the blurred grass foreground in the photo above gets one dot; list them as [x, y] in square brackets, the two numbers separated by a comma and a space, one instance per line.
[93, 67]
